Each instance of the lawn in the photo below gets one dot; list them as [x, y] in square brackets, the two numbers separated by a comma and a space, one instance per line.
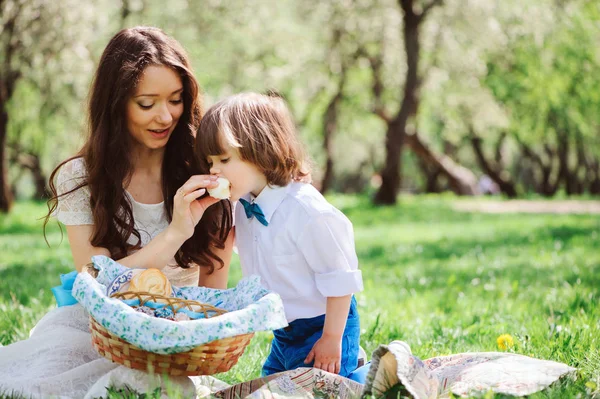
[442, 280]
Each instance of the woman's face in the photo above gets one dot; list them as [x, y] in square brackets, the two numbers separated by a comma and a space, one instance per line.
[155, 108]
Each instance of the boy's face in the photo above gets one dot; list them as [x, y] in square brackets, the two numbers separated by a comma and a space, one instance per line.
[244, 177]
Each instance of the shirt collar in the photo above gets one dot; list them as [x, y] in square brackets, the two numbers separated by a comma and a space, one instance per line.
[269, 199]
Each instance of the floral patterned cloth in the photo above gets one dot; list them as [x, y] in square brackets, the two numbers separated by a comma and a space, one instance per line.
[396, 372]
[250, 308]
[395, 367]
[299, 383]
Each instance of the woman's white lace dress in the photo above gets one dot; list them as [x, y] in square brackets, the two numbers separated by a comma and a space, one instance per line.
[58, 359]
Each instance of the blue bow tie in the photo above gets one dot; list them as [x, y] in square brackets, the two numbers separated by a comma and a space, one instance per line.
[254, 210]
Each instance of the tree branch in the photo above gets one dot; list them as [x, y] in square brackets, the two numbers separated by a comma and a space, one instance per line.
[498, 152]
[429, 6]
[376, 64]
[435, 51]
[310, 107]
[529, 153]
[20, 157]
[461, 180]
[492, 170]
[407, 6]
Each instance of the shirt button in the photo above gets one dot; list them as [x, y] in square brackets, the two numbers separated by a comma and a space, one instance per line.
[255, 238]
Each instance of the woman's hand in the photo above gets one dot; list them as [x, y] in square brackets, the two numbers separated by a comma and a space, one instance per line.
[187, 212]
[187, 208]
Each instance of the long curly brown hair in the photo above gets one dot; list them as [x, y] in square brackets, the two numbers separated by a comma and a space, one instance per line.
[106, 154]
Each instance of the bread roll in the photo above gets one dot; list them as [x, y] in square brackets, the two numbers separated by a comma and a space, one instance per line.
[222, 191]
[152, 281]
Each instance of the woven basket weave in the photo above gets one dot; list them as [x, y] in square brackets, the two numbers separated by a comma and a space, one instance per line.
[213, 357]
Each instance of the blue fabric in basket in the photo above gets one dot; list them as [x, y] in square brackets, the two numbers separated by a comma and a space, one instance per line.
[62, 293]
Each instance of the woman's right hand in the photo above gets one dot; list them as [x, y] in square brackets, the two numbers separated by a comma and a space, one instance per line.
[187, 208]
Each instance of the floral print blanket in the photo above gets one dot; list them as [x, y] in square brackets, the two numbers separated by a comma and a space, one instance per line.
[465, 374]
[396, 373]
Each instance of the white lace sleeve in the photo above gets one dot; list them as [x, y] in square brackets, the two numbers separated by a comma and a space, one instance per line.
[73, 208]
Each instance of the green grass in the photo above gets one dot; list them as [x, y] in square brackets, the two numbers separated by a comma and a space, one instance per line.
[441, 280]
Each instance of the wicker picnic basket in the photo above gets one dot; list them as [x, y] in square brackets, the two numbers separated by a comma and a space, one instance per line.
[213, 357]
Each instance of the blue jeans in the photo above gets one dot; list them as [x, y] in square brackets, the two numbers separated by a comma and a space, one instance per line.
[292, 344]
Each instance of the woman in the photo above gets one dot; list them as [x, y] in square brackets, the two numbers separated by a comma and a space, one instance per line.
[128, 195]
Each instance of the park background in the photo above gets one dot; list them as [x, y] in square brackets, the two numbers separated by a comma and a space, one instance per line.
[461, 137]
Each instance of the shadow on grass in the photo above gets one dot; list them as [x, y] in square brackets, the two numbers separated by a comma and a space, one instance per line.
[442, 250]
[363, 213]
[515, 256]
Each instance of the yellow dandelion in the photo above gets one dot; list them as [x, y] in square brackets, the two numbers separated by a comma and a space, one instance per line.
[505, 341]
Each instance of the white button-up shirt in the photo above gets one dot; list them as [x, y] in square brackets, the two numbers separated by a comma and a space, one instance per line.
[305, 254]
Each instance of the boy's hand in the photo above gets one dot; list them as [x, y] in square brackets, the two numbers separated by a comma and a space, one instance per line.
[327, 354]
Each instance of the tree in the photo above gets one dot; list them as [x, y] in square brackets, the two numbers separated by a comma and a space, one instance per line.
[41, 42]
[548, 82]
[396, 126]
[456, 107]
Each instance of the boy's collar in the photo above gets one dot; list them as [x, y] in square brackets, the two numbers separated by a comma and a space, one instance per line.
[268, 199]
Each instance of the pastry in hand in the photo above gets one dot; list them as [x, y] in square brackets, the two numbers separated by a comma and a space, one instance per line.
[152, 281]
[222, 191]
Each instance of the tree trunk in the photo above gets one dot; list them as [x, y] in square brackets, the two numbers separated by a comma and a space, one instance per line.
[581, 174]
[390, 176]
[432, 175]
[594, 186]
[28, 162]
[544, 187]
[125, 12]
[330, 120]
[396, 130]
[8, 78]
[563, 160]
[39, 179]
[461, 180]
[506, 186]
[499, 145]
[526, 174]
[328, 174]
[6, 197]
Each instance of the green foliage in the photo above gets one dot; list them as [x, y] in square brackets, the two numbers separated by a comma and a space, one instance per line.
[551, 83]
[529, 69]
[46, 63]
[443, 281]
